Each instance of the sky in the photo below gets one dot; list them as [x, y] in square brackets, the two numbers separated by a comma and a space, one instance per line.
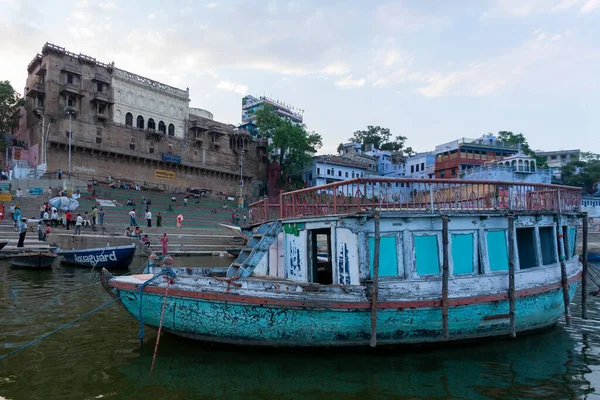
[432, 71]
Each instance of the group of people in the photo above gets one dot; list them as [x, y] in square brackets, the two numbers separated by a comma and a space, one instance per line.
[148, 216]
[137, 233]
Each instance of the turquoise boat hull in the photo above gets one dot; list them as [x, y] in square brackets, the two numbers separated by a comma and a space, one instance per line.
[275, 325]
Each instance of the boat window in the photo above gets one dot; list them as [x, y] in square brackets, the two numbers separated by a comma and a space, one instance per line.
[572, 241]
[427, 256]
[388, 256]
[463, 253]
[526, 248]
[497, 250]
[547, 244]
[322, 270]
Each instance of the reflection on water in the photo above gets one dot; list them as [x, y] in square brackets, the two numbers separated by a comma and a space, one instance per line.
[100, 356]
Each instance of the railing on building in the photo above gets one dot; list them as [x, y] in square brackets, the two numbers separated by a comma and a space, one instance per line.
[417, 195]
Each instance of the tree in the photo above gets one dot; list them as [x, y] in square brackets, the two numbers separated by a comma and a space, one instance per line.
[519, 139]
[583, 173]
[380, 138]
[291, 144]
[10, 103]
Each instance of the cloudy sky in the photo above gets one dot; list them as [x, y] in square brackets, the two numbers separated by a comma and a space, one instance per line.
[430, 70]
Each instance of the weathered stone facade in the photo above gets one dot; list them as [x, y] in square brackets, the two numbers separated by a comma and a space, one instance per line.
[197, 152]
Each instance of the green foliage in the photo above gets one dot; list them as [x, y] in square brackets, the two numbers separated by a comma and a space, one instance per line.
[583, 173]
[10, 101]
[519, 139]
[291, 144]
[380, 138]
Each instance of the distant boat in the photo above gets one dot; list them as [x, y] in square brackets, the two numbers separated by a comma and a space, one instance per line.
[115, 257]
[32, 260]
[593, 257]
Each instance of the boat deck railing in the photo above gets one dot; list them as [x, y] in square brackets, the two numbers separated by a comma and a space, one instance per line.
[416, 195]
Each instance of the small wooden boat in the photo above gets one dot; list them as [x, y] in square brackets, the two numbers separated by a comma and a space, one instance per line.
[115, 257]
[37, 260]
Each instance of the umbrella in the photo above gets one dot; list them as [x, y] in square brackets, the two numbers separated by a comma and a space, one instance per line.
[64, 203]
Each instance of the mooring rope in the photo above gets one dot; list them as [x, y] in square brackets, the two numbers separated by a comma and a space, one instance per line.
[162, 315]
[168, 273]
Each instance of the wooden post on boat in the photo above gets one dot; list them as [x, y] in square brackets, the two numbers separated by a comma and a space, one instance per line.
[585, 267]
[445, 276]
[511, 275]
[375, 286]
[563, 269]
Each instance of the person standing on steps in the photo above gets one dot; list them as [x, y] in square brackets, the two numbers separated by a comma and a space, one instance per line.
[101, 215]
[78, 223]
[164, 241]
[149, 218]
[179, 220]
[132, 221]
[159, 220]
[59, 173]
[22, 232]
[94, 216]
[68, 217]
[17, 217]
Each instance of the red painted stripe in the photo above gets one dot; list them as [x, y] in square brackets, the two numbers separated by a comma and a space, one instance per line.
[229, 297]
[497, 316]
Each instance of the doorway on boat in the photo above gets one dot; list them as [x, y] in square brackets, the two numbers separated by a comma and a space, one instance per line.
[321, 260]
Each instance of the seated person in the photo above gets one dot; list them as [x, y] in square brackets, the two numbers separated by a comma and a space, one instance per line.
[146, 241]
[127, 232]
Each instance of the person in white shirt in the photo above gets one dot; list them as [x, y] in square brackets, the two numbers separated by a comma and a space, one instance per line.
[132, 221]
[54, 217]
[46, 217]
[78, 223]
[149, 218]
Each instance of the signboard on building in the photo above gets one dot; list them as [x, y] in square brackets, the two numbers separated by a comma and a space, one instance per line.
[171, 158]
[35, 191]
[5, 197]
[163, 174]
[4, 187]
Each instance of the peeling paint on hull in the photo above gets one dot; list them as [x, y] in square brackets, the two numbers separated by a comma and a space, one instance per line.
[252, 324]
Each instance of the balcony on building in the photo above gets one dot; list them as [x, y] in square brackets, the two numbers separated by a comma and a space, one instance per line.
[71, 88]
[101, 78]
[71, 69]
[36, 89]
[41, 70]
[102, 97]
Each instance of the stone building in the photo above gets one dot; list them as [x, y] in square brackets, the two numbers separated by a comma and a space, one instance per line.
[131, 128]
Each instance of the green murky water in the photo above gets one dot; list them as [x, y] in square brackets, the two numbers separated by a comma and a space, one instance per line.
[100, 357]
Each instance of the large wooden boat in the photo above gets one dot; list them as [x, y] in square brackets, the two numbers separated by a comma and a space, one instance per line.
[408, 261]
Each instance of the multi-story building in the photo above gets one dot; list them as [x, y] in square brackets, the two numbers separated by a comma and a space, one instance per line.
[421, 165]
[517, 168]
[329, 169]
[129, 127]
[558, 159]
[251, 104]
[462, 154]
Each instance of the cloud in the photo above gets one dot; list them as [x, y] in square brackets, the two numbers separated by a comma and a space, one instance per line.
[395, 16]
[336, 69]
[108, 6]
[233, 87]
[349, 83]
[521, 9]
[185, 11]
[81, 4]
[212, 5]
[589, 6]
[151, 16]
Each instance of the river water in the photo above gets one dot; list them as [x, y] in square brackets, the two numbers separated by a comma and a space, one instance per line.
[100, 357]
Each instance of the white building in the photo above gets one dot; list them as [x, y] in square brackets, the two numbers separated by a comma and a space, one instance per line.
[558, 159]
[421, 165]
[329, 169]
[517, 168]
[147, 104]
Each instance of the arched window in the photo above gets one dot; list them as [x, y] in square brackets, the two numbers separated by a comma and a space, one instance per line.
[129, 119]
[151, 124]
[532, 168]
[171, 130]
[140, 122]
[162, 127]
